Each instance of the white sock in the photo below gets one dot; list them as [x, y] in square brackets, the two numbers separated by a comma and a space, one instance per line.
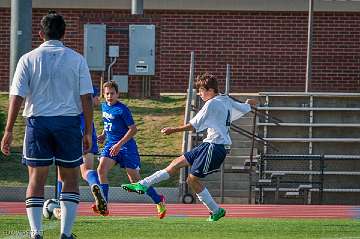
[208, 201]
[34, 207]
[157, 177]
[68, 203]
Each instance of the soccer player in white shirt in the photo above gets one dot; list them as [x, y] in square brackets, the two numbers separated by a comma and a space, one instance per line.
[215, 116]
[56, 84]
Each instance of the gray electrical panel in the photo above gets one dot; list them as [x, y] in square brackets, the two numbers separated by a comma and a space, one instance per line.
[122, 81]
[95, 46]
[141, 49]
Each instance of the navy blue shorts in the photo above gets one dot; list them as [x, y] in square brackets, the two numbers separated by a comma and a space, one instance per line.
[128, 157]
[205, 159]
[52, 138]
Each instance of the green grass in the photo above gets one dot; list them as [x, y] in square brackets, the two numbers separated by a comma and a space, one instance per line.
[150, 116]
[172, 227]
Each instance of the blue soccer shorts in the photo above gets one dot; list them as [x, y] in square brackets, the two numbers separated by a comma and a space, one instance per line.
[205, 159]
[53, 138]
[128, 157]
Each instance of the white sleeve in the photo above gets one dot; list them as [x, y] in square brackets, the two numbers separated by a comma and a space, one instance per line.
[20, 84]
[199, 122]
[85, 78]
[238, 109]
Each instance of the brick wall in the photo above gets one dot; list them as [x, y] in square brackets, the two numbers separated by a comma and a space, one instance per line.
[267, 50]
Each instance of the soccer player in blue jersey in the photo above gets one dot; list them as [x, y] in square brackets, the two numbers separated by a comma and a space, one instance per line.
[87, 172]
[120, 147]
[215, 116]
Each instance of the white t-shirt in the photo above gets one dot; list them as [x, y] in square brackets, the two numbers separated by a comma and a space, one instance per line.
[216, 116]
[52, 78]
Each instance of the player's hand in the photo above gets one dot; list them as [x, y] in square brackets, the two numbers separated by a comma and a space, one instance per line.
[101, 138]
[6, 143]
[87, 143]
[251, 102]
[115, 149]
[167, 130]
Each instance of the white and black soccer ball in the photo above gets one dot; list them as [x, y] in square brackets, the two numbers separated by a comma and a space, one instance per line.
[49, 206]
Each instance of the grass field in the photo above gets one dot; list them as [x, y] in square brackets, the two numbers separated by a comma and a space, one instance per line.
[172, 227]
[150, 116]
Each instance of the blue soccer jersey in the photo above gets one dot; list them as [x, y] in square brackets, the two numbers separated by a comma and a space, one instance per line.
[117, 118]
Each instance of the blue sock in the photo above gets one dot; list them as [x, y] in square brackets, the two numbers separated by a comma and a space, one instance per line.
[92, 178]
[105, 189]
[153, 194]
[59, 187]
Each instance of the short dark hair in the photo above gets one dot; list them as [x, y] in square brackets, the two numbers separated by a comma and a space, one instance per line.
[111, 84]
[53, 26]
[207, 81]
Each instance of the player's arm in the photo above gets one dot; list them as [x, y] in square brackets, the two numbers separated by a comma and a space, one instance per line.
[170, 130]
[14, 108]
[87, 105]
[101, 137]
[132, 130]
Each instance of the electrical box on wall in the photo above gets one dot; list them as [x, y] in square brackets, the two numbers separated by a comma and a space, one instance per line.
[122, 81]
[113, 51]
[141, 49]
[95, 46]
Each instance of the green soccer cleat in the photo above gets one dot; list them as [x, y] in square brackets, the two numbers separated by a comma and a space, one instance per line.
[216, 216]
[135, 187]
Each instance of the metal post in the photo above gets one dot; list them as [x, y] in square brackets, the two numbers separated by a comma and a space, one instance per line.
[182, 178]
[321, 189]
[21, 32]
[137, 7]
[227, 91]
[227, 80]
[252, 155]
[309, 46]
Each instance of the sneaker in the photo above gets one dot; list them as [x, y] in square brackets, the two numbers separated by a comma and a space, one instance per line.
[216, 216]
[63, 236]
[57, 213]
[161, 207]
[96, 211]
[37, 236]
[135, 187]
[100, 200]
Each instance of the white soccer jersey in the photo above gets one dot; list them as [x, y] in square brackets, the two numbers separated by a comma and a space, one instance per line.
[216, 116]
[51, 78]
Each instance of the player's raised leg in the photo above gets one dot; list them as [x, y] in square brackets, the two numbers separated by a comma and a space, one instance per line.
[159, 200]
[161, 175]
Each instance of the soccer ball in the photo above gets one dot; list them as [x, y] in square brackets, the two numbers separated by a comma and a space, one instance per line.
[49, 206]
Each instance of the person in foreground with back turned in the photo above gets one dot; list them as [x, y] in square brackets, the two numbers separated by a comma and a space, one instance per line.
[56, 84]
[215, 116]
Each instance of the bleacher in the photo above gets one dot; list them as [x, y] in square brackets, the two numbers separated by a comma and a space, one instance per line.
[318, 161]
